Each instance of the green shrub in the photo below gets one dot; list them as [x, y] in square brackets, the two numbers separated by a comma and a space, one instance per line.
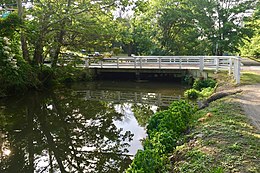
[176, 118]
[164, 131]
[199, 84]
[206, 92]
[162, 142]
[16, 75]
[192, 94]
[147, 161]
[185, 108]
[155, 121]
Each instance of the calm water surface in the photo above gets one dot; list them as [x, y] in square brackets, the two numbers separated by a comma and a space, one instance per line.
[87, 127]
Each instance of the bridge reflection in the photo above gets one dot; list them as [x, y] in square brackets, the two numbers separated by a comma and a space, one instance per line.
[149, 98]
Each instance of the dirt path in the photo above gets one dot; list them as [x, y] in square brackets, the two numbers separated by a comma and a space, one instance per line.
[250, 97]
[250, 101]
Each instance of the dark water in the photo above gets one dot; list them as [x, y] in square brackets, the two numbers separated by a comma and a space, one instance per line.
[88, 127]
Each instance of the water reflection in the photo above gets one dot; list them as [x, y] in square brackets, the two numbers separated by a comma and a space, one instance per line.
[63, 131]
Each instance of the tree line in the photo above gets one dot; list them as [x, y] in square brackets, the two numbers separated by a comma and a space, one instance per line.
[172, 27]
[41, 30]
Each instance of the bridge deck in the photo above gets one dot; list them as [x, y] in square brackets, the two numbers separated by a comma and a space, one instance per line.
[216, 63]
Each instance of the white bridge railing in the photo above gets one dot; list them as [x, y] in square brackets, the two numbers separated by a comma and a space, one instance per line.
[229, 63]
[123, 97]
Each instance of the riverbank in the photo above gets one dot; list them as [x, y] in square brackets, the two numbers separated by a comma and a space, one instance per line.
[40, 78]
[225, 136]
[222, 140]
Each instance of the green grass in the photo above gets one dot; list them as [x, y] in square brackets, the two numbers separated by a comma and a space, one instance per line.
[224, 142]
[248, 78]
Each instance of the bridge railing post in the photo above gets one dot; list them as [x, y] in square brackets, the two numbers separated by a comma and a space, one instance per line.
[134, 62]
[237, 70]
[117, 62]
[101, 63]
[230, 64]
[217, 63]
[159, 99]
[201, 63]
[87, 62]
[141, 62]
[160, 62]
[180, 62]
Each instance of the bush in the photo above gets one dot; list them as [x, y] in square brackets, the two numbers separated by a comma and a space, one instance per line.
[162, 142]
[192, 94]
[199, 84]
[147, 161]
[176, 118]
[15, 74]
[164, 131]
[206, 92]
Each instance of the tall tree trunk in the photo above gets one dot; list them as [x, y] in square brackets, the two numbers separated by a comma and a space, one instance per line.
[60, 37]
[23, 38]
[38, 51]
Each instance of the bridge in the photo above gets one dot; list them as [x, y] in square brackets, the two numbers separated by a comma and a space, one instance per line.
[128, 97]
[201, 63]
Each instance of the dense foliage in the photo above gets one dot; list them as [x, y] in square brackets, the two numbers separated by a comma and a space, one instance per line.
[165, 130]
[15, 74]
[45, 30]
[200, 84]
[251, 46]
[191, 94]
[201, 88]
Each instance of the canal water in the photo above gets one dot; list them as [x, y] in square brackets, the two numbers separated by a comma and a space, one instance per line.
[87, 127]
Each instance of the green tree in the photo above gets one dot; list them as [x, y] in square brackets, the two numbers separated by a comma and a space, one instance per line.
[252, 46]
[69, 24]
[199, 26]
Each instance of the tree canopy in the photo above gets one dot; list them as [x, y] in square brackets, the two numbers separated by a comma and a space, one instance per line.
[152, 27]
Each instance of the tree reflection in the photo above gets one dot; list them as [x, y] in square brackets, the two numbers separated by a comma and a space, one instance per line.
[61, 133]
[143, 112]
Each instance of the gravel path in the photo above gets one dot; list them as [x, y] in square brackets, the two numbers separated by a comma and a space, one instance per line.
[250, 99]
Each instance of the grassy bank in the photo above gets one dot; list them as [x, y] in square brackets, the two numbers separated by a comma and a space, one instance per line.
[222, 140]
[217, 139]
[249, 78]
